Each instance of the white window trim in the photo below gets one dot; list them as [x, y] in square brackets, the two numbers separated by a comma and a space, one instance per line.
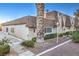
[46, 30]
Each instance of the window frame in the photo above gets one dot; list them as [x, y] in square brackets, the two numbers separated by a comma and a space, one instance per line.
[12, 30]
[7, 29]
[47, 30]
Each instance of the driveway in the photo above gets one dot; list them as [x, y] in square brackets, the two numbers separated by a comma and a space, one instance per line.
[68, 49]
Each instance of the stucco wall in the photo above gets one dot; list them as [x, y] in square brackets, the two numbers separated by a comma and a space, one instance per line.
[28, 33]
[20, 31]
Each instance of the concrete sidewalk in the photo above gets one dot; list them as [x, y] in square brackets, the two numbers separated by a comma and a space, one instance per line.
[19, 49]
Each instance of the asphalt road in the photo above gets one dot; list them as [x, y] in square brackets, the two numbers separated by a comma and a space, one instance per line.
[69, 49]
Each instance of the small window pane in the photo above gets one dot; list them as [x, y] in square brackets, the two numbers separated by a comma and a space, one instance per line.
[48, 30]
[7, 29]
[12, 30]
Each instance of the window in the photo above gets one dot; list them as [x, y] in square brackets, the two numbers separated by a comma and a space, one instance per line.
[33, 29]
[7, 29]
[48, 30]
[12, 30]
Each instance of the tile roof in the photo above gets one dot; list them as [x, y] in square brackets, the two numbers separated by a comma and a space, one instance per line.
[30, 21]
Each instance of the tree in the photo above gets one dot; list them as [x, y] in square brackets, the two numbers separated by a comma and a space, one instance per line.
[77, 19]
[77, 13]
[40, 22]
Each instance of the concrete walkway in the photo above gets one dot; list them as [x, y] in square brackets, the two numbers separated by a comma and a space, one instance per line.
[15, 44]
[20, 50]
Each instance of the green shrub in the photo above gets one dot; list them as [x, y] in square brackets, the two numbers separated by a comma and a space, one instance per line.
[67, 33]
[60, 35]
[4, 49]
[50, 36]
[75, 37]
[4, 46]
[34, 39]
[70, 33]
[28, 43]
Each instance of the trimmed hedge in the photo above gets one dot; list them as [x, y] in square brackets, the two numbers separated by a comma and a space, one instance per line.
[28, 43]
[4, 49]
[53, 35]
[49, 36]
[67, 33]
[60, 35]
[75, 37]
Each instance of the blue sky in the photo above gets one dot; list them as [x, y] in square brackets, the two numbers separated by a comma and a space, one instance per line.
[12, 11]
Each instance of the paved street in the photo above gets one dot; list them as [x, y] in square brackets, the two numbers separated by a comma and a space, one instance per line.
[69, 49]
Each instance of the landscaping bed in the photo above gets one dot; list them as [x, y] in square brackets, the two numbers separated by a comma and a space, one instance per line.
[50, 41]
[46, 45]
[4, 49]
[4, 46]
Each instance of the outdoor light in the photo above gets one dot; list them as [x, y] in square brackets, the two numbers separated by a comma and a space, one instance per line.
[57, 23]
[73, 17]
[57, 32]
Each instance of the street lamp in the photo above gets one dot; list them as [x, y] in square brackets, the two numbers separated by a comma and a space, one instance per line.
[57, 32]
[73, 23]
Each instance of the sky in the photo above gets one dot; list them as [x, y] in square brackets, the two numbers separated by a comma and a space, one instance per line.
[11, 11]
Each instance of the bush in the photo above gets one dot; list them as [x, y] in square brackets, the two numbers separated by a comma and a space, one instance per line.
[34, 39]
[75, 37]
[4, 49]
[28, 43]
[49, 36]
[60, 35]
[67, 33]
[4, 46]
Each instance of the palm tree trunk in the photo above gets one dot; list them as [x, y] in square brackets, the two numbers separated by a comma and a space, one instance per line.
[40, 22]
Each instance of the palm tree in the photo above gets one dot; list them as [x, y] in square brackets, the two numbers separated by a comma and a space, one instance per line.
[77, 19]
[77, 13]
[40, 22]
